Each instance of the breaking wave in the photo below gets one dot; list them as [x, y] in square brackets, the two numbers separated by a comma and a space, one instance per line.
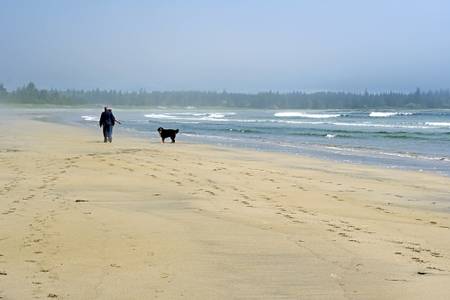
[290, 114]
[381, 114]
[194, 116]
[90, 118]
[438, 124]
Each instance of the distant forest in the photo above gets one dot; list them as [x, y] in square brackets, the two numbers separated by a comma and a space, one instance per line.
[30, 94]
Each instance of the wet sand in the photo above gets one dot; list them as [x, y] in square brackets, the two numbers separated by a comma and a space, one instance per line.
[135, 219]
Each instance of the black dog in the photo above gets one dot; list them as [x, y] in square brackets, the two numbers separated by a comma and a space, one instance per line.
[167, 133]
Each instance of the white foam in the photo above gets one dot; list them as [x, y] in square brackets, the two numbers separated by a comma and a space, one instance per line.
[159, 116]
[90, 118]
[215, 137]
[196, 114]
[438, 124]
[380, 125]
[330, 136]
[192, 116]
[290, 114]
[297, 122]
[216, 116]
[350, 124]
[409, 155]
[384, 114]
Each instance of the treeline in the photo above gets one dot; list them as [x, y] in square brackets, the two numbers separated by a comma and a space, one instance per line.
[30, 94]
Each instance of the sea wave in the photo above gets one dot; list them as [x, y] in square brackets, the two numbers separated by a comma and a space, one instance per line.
[213, 137]
[203, 114]
[290, 114]
[90, 118]
[365, 151]
[438, 124]
[317, 134]
[384, 114]
[244, 130]
[381, 125]
[159, 116]
[298, 122]
[194, 116]
[347, 124]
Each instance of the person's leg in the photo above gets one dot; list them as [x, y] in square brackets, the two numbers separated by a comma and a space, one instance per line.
[105, 133]
[110, 133]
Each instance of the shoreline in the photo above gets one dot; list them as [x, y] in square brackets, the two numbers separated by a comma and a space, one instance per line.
[137, 219]
[415, 165]
[143, 137]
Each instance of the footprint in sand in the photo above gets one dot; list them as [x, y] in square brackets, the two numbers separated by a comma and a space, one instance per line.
[300, 242]
[418, 259]
[246, 203]
[343, 234]
[435, 268]
[435, 254]
[354, 241]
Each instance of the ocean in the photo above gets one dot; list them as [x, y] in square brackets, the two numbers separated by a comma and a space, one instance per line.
[404, 139]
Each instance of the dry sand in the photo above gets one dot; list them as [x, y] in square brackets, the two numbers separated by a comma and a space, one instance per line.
[135, 219]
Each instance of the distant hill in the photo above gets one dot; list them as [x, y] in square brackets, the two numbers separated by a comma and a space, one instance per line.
[30, 94]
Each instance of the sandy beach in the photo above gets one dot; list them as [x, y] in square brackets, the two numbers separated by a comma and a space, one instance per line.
[136, 219]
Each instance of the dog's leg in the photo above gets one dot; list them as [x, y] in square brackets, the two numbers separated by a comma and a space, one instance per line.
[173, 139]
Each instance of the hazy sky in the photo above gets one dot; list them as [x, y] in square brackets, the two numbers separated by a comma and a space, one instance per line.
[234, 45]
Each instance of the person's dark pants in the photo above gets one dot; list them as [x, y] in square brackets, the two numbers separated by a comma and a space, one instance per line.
[107, 133]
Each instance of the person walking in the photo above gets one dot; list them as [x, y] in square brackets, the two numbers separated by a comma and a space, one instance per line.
[107, 121]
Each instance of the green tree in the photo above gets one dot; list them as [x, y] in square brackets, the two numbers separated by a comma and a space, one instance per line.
[3, 91]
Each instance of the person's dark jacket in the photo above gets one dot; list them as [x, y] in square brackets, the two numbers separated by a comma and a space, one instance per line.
[107, 119]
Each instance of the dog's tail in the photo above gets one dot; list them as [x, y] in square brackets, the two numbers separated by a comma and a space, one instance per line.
[176, 131]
